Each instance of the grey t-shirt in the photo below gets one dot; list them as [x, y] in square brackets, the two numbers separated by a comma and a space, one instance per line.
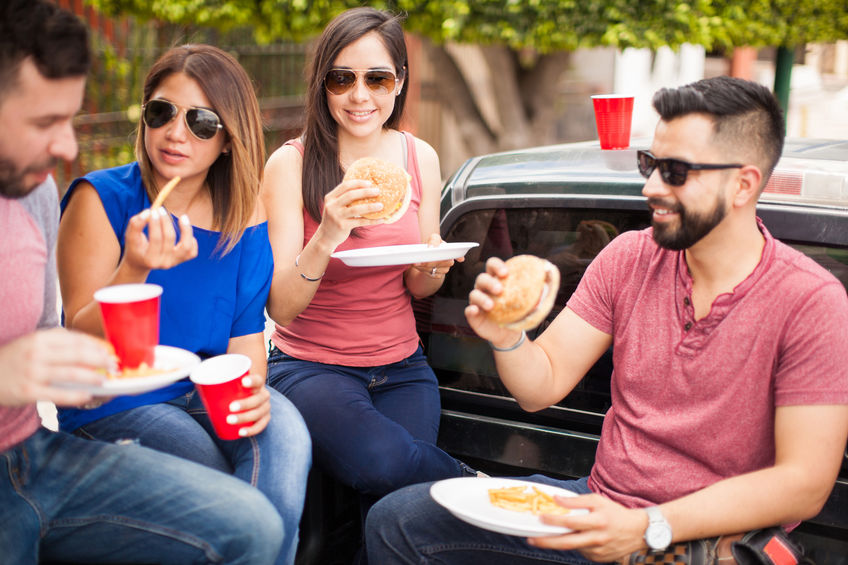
[43, 205]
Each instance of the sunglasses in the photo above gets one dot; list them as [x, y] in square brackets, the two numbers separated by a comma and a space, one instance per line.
[674, 171]
[201, 122]
[339, 81]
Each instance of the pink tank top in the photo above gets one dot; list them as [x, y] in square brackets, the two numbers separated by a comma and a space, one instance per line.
[360, 316]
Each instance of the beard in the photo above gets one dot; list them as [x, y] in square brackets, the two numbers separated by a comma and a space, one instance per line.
[692, 226]
[12, 183]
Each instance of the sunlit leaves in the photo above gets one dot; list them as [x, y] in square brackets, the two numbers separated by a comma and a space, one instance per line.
[543, 25]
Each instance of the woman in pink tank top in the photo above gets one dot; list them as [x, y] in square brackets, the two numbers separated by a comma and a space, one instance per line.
[345, 349]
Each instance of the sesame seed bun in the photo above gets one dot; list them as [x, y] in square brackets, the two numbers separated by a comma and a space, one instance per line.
[393, 182]
[529, 290]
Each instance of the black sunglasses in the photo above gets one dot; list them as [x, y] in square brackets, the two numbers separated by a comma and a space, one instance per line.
[339, 81]
[202, 122]
[674, 171]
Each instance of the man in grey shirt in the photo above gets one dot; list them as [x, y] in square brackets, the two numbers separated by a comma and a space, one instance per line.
[63, 498]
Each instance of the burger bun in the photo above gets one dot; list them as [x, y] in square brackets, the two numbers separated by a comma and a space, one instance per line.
[529, 290]
[393, 182]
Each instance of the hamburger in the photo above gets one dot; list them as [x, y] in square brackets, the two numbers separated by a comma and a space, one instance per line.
[393, 182]
[529, 290]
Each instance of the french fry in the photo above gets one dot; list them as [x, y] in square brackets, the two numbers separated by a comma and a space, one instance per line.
[163, 194]
[141, 371]
[519, 499]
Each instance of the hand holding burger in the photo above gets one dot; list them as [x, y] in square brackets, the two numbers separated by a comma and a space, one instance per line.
[367, 182]
[514, 295]
[393, 182]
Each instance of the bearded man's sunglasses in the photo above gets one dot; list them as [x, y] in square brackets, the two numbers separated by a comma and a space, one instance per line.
[339, 81]
[201, 122]
[675, 171]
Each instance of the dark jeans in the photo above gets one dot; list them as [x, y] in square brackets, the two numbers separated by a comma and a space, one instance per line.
[372, 428]
[408, 527]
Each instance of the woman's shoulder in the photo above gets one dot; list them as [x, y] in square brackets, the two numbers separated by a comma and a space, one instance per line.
[427, 156]
[281, 179]
[117, 187]
[123, 182]
[119, 177]
[259, 216]
[289, 153]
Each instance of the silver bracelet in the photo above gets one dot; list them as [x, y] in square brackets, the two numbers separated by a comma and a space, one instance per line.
[511, 347]
[310, 279]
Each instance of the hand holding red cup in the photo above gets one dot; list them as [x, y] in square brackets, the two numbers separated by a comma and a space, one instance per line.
[219, 381]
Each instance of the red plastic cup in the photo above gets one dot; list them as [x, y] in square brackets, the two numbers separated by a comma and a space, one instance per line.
[613, 117]
[130, 314]
[218, 381]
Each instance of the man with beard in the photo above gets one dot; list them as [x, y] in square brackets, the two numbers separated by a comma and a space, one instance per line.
[730, 389]
[63, 498]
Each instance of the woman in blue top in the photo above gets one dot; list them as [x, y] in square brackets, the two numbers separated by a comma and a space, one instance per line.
[200, 121]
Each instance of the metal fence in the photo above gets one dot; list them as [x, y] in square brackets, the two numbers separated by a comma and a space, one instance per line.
[123, 52]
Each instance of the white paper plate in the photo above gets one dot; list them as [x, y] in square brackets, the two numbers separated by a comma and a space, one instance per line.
[467, 498]
[177, 363]
[403, 254]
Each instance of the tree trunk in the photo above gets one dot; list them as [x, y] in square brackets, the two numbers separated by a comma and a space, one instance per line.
[497, 101]
[450, 88]
[511, 108]
[542, 94]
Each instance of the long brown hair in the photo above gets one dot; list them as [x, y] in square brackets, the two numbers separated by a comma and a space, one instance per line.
[234, 178]
[322, 170]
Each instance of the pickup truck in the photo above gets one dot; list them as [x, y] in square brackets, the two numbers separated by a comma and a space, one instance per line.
[564, 203]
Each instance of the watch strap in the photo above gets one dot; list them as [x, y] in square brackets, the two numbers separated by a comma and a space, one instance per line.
[657, 525]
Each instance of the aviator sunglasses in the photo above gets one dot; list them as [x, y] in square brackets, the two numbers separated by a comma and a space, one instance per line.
[674, 171]
[201, 122]
[339, 81]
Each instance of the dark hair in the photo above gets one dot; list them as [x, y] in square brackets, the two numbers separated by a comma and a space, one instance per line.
[746, 116]
[233, 178]
[55, 39]
[321, 167]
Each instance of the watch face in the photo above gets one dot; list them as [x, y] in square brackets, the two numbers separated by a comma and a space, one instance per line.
[658, 536]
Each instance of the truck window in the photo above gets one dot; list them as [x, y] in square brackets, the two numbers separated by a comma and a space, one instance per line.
[568, 237]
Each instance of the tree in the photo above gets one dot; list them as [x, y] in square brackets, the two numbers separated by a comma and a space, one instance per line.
[524, 44]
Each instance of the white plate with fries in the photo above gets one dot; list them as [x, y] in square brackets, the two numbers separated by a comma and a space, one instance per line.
[170, 365]
[506, 506]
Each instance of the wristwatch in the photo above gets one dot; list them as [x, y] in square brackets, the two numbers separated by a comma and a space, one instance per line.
[658, 532]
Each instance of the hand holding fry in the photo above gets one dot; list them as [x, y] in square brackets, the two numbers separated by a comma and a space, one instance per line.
[158, 248]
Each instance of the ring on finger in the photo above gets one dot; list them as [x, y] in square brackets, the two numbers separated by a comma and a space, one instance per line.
[433, 272]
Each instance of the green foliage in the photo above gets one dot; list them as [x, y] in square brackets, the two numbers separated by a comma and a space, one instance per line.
[542, 25]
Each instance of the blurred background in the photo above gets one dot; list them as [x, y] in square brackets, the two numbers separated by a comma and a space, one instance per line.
[486, 75]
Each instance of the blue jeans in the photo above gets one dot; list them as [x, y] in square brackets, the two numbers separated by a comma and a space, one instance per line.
[373, 428]
[408, 527]
[66, 499]
[276, 461]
